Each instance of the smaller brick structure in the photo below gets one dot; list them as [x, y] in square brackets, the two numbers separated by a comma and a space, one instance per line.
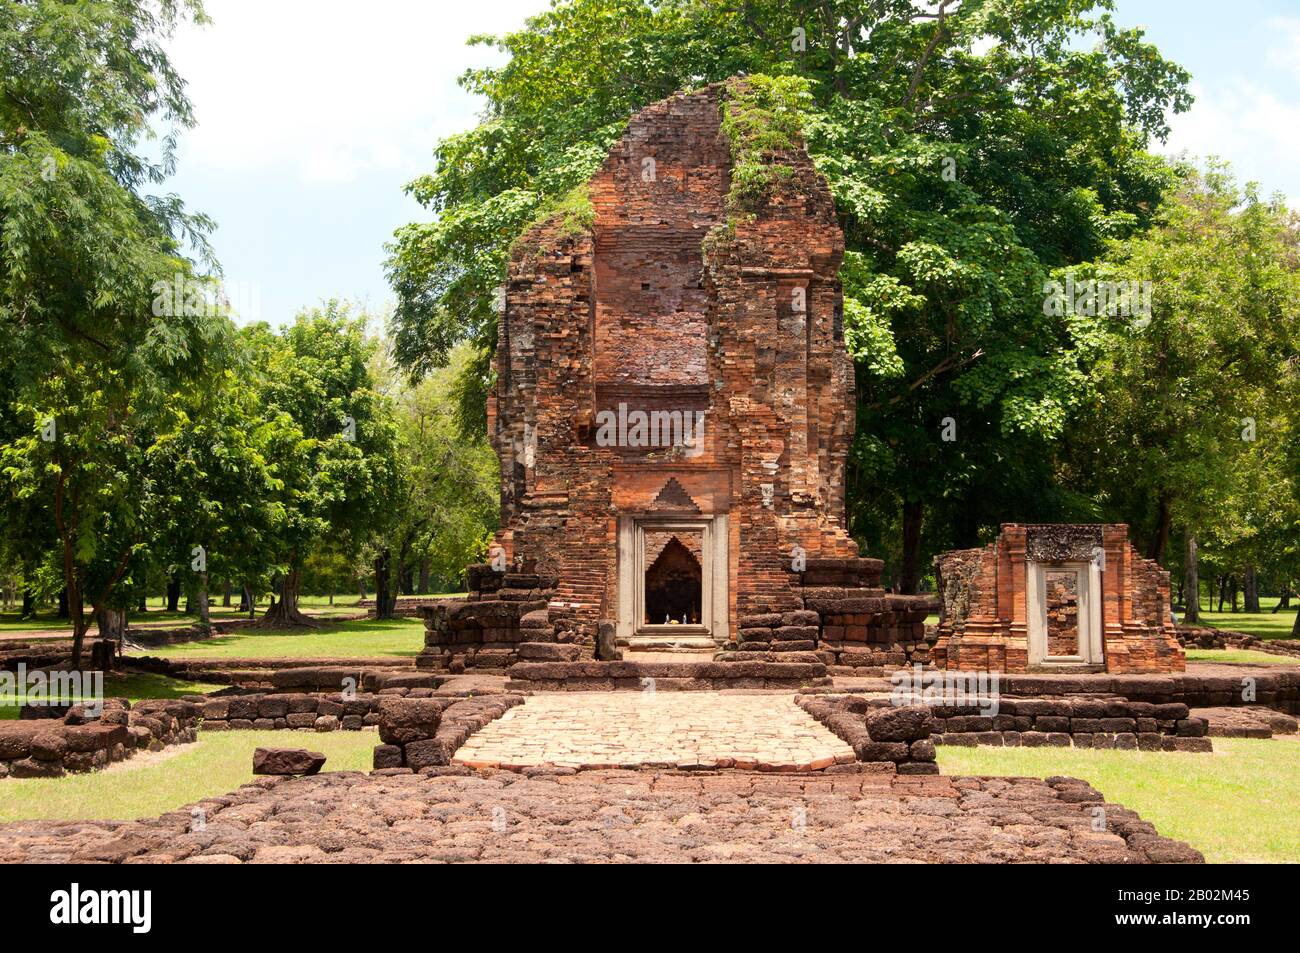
[1055, 597]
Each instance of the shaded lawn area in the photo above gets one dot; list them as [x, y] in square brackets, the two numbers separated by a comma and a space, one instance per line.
[361, 638]
[1237, 655]
[1236, 805]
[135, 686]
[154, 783]
[1263, 625]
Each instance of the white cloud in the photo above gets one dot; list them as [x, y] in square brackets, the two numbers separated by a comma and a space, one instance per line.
[1285, 53]
[1247, 124]
[332, 89]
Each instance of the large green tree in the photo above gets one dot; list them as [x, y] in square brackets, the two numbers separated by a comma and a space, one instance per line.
[95, 339]
[971, 145]
[1190, 413]
[334, 441]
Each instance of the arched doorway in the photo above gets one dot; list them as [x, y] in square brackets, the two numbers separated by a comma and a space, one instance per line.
[674, 580]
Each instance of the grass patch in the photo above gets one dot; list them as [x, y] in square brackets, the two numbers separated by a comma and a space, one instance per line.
[1262, 625]
[360, 638]
[1235, 656]
[215, 764]
[1236, 805]
[762, 116]
[47, 620]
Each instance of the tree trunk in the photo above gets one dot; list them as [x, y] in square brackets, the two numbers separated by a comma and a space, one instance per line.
[111, 623]
[205, 619]
[1284, 601]
[1233, 589]
[423, 587]
[1160, 541]
[29, 604]
[1250, 588]
[225, 596]
[63, 603]
[1295, 629]
[248, 601]
[142, 605]
[1192, 584]
[910, 576]
[383, 602]
[285, 611]
[173, 592]
[406, 580]
[1223, 591]
[361, 586]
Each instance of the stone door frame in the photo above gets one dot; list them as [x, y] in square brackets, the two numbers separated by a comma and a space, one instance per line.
[1089, 614]
[714, 604]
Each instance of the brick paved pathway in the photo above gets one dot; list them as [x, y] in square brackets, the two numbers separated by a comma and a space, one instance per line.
[661, 729]
[548, 815]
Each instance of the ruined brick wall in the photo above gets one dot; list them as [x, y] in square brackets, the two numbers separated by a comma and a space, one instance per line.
[640, 311]
[984, 621]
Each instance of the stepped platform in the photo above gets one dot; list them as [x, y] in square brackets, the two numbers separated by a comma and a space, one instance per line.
[632, 675]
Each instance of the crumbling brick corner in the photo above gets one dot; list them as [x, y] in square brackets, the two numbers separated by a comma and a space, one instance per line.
[987, 607]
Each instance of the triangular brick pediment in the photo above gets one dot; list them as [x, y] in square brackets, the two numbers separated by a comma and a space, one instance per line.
[673, 496]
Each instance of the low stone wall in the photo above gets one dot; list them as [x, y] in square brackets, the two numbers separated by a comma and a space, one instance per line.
[591, 676]
[420, 733]
[50, 748]
[878, 731]
[1273, 686]
[308, 711]
[1092, 722]
[263, 712]
[1204, 637]
[853, 625]
[1251, 721]
[484, 629]
[268, 674]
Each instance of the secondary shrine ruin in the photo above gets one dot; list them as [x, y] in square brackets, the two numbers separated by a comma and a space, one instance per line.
[1060, 597]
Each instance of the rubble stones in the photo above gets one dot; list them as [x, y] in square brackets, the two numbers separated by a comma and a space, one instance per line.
[287, 761]
[619, 816]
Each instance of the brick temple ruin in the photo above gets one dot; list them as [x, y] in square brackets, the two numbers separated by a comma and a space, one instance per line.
[1063, 597]
[673, 411]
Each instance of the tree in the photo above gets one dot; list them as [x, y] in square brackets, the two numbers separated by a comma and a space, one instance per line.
[219, 493]
[1189, 417]
[334, 441]
[446, 505]
[92, 350]
[960, 178]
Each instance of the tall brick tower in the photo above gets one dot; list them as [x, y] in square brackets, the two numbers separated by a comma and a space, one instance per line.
[673, 411]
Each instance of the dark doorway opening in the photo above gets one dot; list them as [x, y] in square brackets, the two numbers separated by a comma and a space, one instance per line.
[673, 583]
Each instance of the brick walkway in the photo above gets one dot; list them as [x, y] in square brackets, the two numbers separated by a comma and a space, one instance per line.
[546, 815]
[660, 729]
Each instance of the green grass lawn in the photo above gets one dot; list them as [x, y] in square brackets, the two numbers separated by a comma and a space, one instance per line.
[1264, 625]
[1237, 655]
[1237, 805]
[362, 638]
[215, 764]
[134, 687]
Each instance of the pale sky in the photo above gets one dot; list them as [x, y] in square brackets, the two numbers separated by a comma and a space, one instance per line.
[312, 115]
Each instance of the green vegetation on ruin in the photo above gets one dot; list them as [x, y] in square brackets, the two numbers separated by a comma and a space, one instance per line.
[761, 118]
